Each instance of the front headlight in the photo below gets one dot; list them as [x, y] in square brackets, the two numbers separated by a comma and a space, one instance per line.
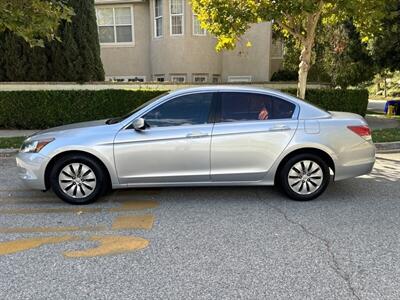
[34, 146]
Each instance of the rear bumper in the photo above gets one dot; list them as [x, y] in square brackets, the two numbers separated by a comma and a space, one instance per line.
[355, 162]
[31, 169]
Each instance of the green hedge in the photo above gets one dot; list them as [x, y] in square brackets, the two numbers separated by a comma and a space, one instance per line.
[355, 101]
[44, 109]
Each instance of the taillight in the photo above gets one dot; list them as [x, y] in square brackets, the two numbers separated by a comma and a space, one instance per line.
[361, 130]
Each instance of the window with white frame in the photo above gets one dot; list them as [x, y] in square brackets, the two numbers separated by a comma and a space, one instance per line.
[239, 78]
[176, 16]
[158, 18]
[115, 25]
[277, 49]
[216, 78]
[127, 78]
[159, 78]
[200, 78]
[197, 30]
[178, 78]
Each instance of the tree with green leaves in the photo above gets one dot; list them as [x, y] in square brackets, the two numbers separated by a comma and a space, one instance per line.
[346, 58]
[386, 45]
[73, 56]
[230, 19]
[36, 21]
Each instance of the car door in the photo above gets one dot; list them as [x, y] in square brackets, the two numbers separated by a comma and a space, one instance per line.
[174, 148]
[251, 132]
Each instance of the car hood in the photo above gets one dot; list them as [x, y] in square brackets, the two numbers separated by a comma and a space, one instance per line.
[64, 128]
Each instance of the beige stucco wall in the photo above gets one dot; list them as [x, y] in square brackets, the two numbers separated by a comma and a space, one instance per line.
[250, 61]
[131, 60]
[276, 65]
[187, 54]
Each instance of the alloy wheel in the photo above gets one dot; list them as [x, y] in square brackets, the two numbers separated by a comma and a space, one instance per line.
[305, 177]
[77, 180]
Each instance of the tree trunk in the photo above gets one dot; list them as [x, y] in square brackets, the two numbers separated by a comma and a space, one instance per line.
[304, 67]
[384, 87]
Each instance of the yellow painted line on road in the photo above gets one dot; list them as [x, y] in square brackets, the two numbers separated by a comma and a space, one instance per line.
[110, 245]
[135, 205]
[120, 223]
[133, 222]
[51, 229]
[125, 206]
[10, 247]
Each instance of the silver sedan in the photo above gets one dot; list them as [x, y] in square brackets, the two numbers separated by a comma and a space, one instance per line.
[207, 136]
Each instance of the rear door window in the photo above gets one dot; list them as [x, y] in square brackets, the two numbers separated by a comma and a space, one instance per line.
[237, 107]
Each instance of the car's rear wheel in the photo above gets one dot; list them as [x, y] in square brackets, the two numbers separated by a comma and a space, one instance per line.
[78, 179]
[304, 177]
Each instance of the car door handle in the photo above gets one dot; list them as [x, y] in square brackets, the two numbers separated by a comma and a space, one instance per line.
[280, 128]
[194, 135]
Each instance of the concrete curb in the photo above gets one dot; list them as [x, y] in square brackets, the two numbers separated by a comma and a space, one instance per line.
[8, 151]
[388, 147]
[380, 148]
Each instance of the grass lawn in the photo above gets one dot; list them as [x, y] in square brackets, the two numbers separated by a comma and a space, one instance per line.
[378, 136]
[386, 135]
[11, 142]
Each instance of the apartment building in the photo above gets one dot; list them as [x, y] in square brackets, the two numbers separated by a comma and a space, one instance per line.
[161, 40]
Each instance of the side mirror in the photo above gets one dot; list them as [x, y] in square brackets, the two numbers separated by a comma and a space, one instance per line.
[139, 124]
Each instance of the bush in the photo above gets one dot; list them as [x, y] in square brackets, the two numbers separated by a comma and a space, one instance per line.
[355, 101]
[44, 109]
[285, 75]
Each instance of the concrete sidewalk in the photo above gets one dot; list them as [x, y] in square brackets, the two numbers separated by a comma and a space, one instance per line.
[381, 122]
[14, 133]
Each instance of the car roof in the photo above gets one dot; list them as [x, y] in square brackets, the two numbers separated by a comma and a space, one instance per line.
[307, 110]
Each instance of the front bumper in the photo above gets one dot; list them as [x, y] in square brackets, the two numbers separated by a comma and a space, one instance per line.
[31, 169]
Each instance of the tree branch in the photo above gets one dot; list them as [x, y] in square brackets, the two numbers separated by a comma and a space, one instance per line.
[291, 30]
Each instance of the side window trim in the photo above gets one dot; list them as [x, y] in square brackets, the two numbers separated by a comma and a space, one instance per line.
[218, 113]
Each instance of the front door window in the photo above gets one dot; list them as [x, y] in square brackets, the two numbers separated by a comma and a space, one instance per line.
[191, 109]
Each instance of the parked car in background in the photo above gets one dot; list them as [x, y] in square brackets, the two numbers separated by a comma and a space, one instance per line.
[206, 136]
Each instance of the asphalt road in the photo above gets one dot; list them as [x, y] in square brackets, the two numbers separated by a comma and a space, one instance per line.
[204, 243]
[376, 105]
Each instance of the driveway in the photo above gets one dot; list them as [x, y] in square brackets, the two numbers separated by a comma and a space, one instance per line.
[204, 243]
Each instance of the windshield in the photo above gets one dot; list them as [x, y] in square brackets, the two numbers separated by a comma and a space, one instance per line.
[120, 119]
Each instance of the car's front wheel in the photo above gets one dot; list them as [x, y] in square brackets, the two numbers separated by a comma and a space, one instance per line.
[304, 177]
[77, 179]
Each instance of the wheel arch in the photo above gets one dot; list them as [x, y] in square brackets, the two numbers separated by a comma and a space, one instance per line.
[53, 160]
[307, 150]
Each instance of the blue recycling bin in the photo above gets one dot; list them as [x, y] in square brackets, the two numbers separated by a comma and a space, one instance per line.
[395, 103]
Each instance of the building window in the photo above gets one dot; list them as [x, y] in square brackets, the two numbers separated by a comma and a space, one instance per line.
[197, 30]
[239, 78]
[216, 78]
[127, 78]
[277, 49]
[176, 14]
[115, 25]
[158, 18]
[159, 78]
[178, 78]
[200, 78]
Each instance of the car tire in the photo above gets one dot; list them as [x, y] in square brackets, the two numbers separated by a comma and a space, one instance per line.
[78, 179]
[304, 177]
